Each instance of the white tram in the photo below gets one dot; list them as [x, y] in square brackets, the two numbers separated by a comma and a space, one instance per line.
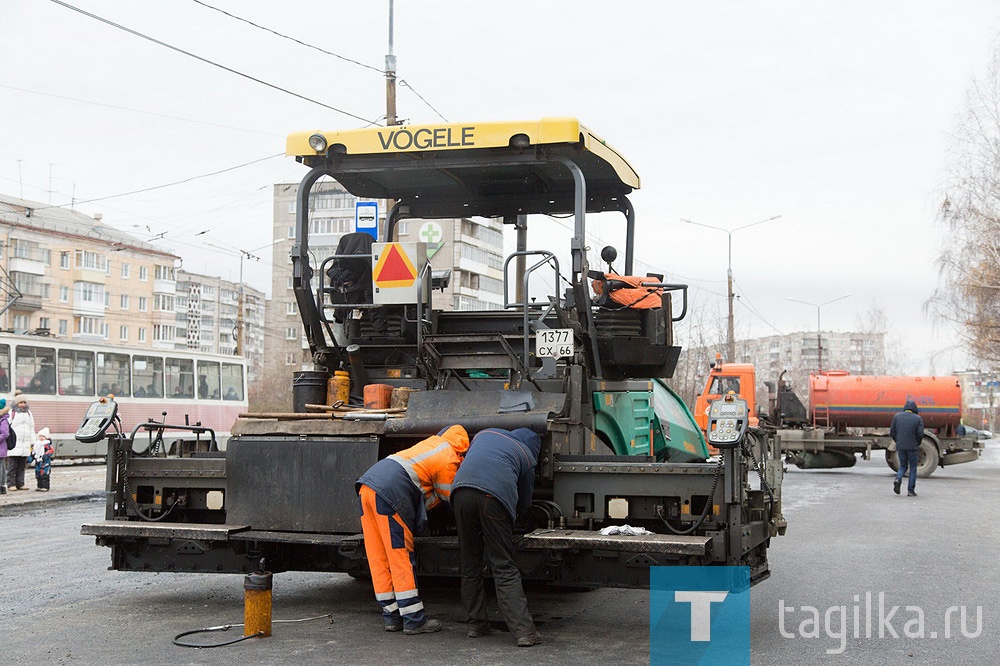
[62, 378]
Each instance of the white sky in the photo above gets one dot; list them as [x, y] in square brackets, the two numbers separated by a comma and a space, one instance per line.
[834, 115]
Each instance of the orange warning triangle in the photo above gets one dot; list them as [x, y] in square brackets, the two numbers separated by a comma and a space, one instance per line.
[394, 268]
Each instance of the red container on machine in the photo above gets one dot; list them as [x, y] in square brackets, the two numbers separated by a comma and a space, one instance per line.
[377, 396]
[842, 400]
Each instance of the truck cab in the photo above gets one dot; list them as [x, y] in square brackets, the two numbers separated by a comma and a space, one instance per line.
[739, 378]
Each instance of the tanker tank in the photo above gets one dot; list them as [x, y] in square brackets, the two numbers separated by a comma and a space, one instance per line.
[842, 400]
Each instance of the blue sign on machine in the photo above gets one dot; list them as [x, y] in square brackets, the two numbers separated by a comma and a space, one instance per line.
[366, 217]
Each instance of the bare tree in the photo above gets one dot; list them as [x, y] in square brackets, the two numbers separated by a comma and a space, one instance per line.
[888, 354]
[702, 335]
[271, 392]
[970, 259]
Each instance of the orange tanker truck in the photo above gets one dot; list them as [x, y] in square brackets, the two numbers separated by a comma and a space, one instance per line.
[849, 415]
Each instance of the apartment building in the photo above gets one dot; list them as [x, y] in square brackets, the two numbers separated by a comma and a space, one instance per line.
[208, 318]
[794, 354]
[73, 276]
[980, 398]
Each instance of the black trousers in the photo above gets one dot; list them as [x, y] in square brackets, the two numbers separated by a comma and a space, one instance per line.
[15, 471]
[486, 534]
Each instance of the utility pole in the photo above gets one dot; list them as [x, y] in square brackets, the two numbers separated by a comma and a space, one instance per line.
[819, 338]
[390, 107]
[730, 333]
[390, 79]
[239, 313]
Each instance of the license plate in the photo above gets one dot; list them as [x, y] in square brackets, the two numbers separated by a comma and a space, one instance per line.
[554, 343]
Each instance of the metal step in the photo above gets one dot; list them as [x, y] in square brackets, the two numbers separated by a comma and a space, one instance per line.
[476, 351]
[310, 538]
[141, 528]
[593, 540]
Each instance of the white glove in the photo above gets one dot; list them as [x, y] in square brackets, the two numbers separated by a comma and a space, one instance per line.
[624, 530]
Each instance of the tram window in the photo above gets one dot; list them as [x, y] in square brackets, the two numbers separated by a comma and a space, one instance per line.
[113, 375]
[232, 380]
[179, 377]
[147, 373]
[208, 380]
[4, 368]
[36, 369]
[76, 372]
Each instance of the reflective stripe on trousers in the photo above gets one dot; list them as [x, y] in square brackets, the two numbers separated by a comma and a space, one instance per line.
[389, 548]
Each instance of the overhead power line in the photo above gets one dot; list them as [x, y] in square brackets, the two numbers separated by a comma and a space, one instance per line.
[160, 187]
[205, 60]
[288, 37]
[402, 82]
[148, 113]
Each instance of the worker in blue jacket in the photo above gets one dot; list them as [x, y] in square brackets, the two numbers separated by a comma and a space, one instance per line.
[907, 429]
[494, 485]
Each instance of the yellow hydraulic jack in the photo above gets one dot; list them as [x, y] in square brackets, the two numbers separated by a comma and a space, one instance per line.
[257, 603]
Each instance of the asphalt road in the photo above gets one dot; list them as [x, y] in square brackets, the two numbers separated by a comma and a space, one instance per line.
[848, 536]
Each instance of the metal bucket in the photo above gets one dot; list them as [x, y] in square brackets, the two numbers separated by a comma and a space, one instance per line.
[308, 388]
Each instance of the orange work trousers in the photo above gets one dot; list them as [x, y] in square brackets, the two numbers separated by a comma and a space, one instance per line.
[389, 547]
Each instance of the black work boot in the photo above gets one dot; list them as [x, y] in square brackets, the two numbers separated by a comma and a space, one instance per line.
[478, 629]
[428, 627]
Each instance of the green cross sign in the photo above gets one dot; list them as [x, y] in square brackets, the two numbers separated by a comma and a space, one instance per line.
[430, 233]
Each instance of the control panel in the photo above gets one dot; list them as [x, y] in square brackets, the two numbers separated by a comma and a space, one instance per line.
[728, 419]
[99, 417]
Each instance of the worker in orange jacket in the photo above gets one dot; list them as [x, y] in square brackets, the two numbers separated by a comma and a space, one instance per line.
[396, 493]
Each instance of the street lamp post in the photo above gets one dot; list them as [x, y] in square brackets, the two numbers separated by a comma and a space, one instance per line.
[730, 337]
[819, 343]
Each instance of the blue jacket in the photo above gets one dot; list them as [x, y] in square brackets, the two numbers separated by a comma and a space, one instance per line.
[502, 463]
[416, 479]
[907, 428]
[391, 482]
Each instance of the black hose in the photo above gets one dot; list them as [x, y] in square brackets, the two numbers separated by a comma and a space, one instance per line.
[704, 513]
[227, 627]
[127, 490]
[224, 627]
[763, 484]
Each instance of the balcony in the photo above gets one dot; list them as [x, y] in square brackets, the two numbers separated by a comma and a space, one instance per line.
[95, 275]
[164, 287]
[82, 308]
[26, 265]
[28, 301]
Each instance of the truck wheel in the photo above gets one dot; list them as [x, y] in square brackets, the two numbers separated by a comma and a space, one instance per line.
[892, 460]
[928, 460]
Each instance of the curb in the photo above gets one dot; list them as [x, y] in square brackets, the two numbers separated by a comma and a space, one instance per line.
[21, 507]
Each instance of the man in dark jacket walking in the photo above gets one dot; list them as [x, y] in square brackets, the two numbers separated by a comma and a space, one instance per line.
[493, 485]
[907, 430]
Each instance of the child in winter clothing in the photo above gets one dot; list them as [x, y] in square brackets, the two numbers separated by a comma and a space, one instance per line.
[41, 453]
